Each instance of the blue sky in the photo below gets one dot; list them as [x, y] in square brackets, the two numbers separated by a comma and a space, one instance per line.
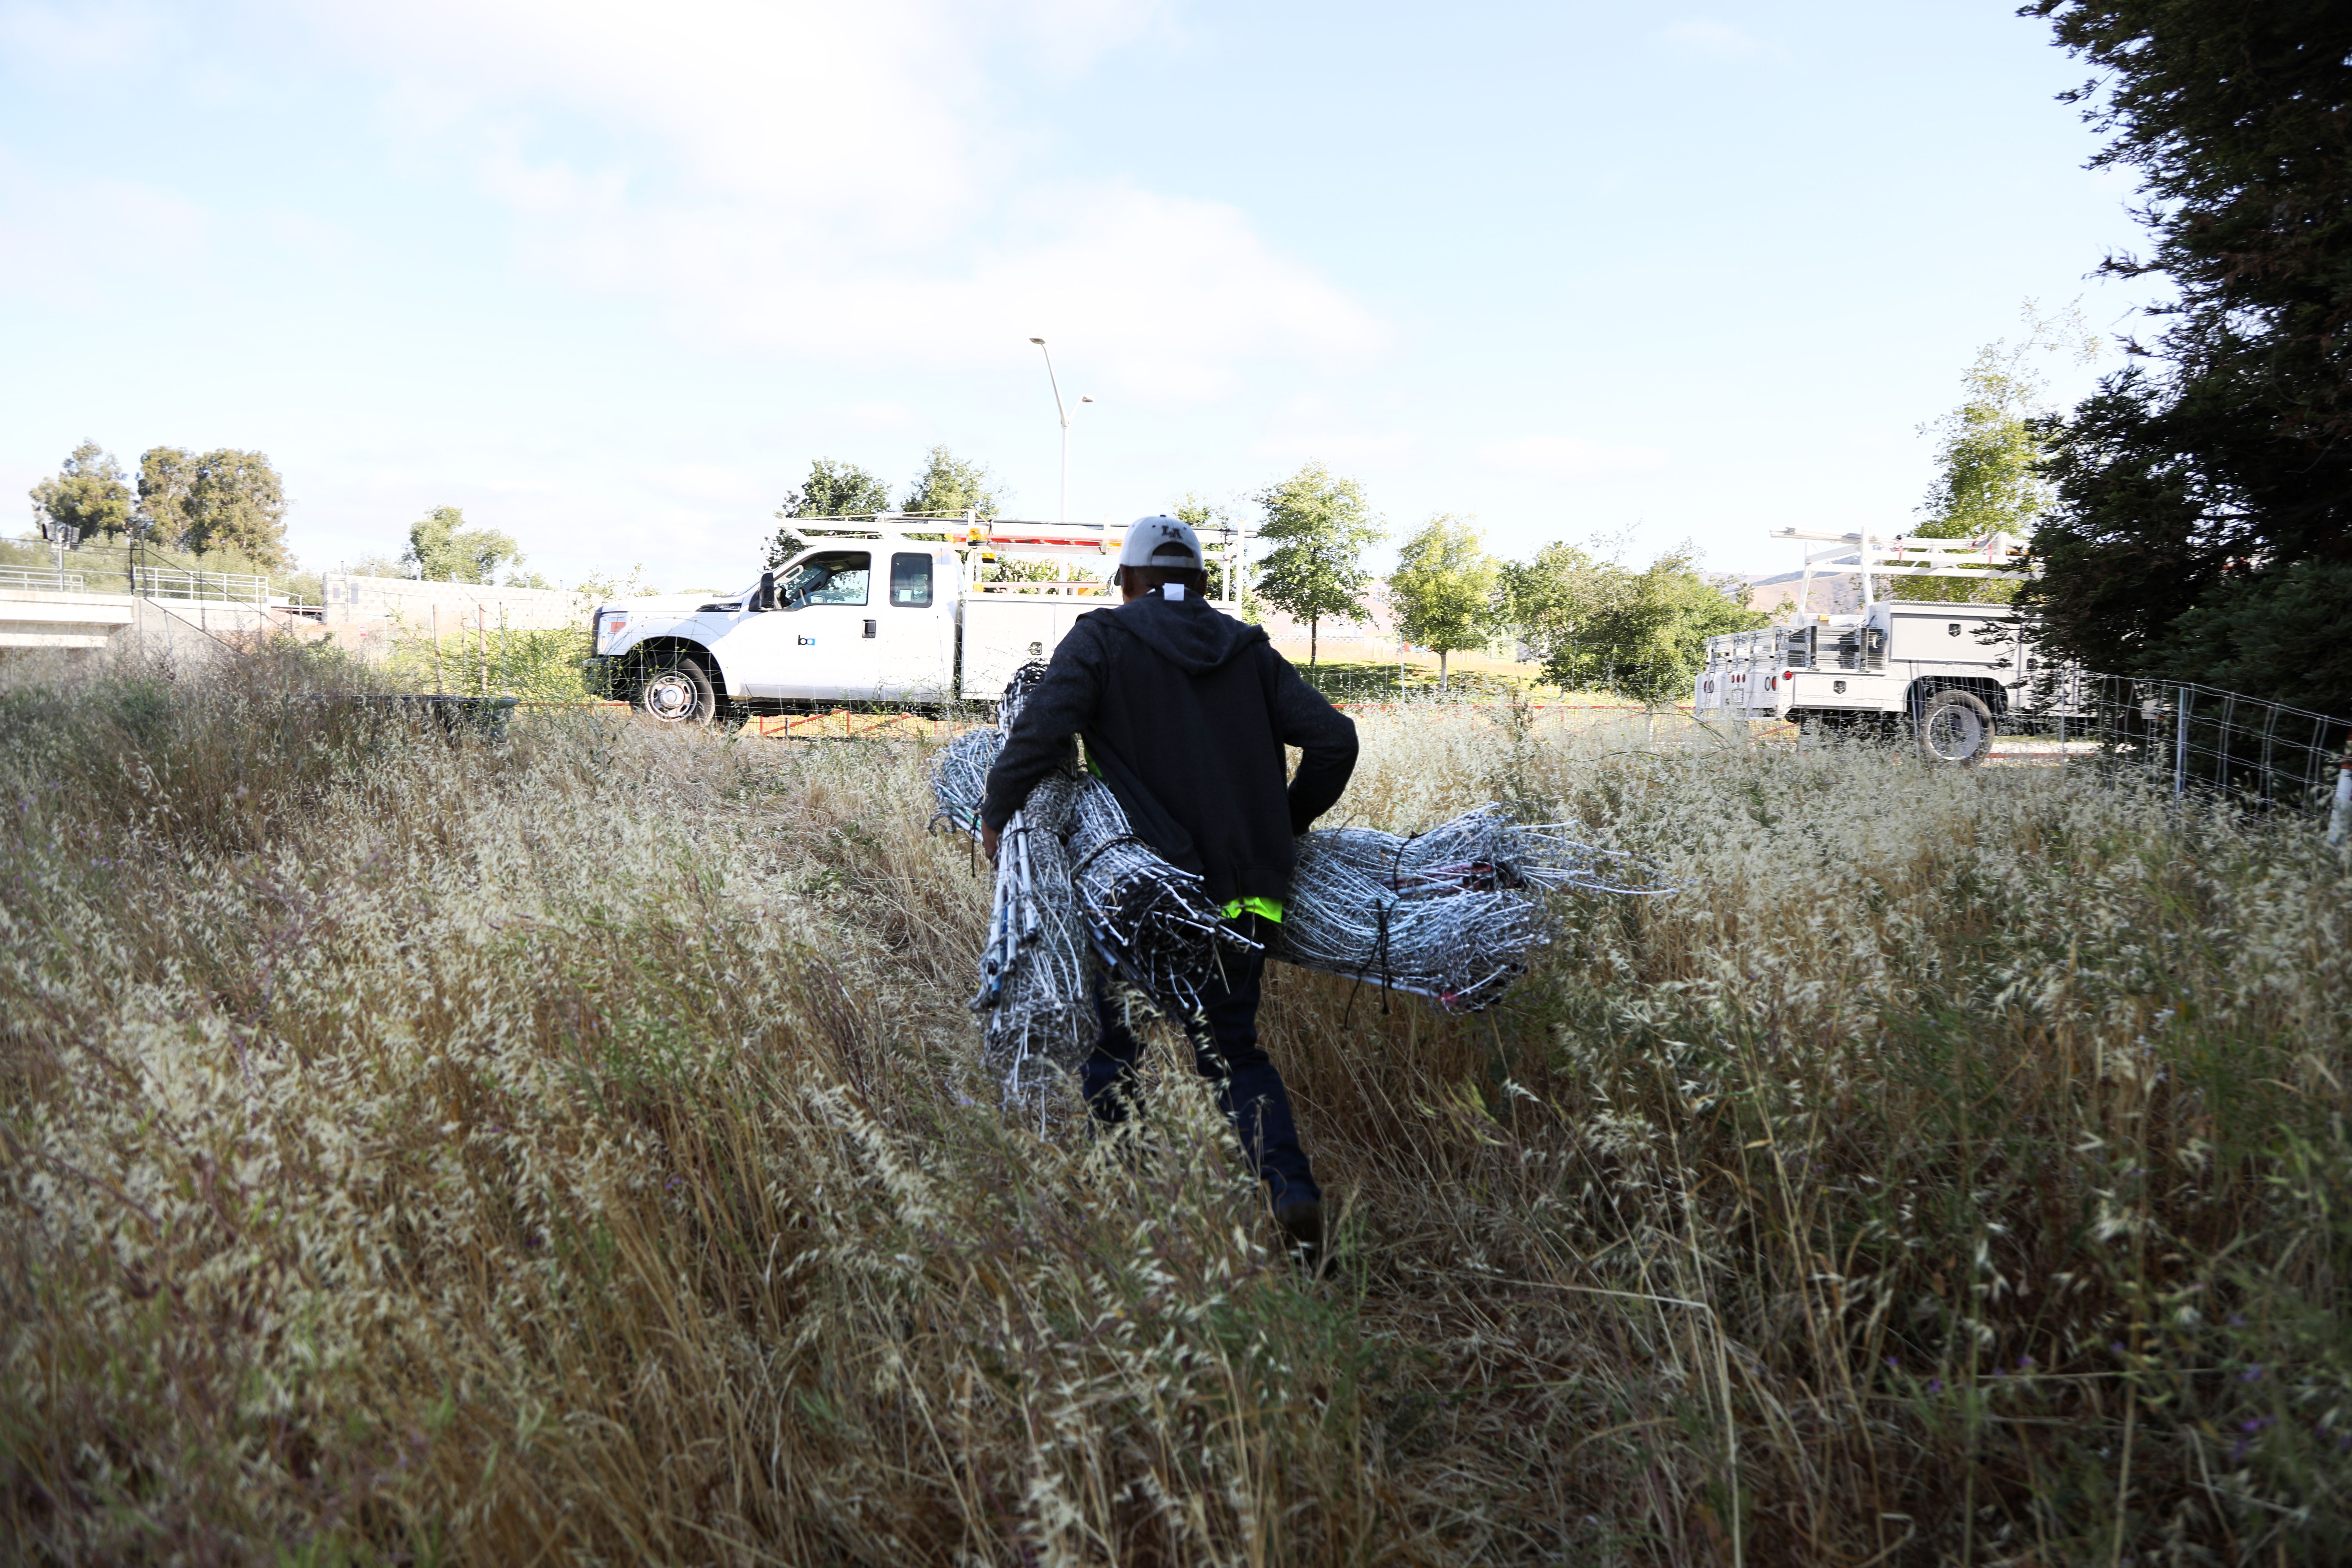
[609, 275]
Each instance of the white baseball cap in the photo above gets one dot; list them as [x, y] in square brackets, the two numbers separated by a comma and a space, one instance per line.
[1162, 541]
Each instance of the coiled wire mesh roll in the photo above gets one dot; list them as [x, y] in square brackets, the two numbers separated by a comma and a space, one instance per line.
[1153, 923]
[1452, 914]
[1035, 988]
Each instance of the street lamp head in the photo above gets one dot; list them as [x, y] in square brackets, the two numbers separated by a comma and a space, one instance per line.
[1039, 341]
[1086, 400]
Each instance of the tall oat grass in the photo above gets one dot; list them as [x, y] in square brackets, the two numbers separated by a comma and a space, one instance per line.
[417, 1149]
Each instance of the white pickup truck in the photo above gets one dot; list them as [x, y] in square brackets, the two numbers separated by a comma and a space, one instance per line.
[1949, 674]
[895, 609]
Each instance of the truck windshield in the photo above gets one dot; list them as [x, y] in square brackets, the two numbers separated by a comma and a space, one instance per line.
[836, 577]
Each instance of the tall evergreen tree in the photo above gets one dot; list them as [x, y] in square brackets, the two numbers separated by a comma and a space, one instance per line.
[166, 475]
[2204, 519]
[225, 500]
[238, 503]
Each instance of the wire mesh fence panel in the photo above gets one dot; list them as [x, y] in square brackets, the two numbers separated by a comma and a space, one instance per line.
[2192, 738]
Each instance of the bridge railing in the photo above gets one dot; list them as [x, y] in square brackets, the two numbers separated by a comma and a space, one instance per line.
[212, 587]
[40, 580]
[143, 570]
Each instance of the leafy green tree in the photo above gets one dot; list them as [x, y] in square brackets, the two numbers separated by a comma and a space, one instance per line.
[1321, 526]
[1549, 599]
[1199, 513]
[442, 549]
[949, 484]
[1647, 637]
[86, 493]
[831, 490]
[2214, 472]
[225, 500]
[1599, 625]
[1444, 588]
[1989, 451]
[238, 503]
[166, 476]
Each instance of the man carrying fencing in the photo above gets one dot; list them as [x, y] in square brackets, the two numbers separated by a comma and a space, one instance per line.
[1185, 714]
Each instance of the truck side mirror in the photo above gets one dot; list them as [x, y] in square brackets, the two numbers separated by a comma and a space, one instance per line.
[767, 599]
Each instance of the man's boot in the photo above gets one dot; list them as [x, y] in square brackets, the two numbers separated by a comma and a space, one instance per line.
[1302, 1221]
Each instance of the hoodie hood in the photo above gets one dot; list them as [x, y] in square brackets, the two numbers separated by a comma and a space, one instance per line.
[1185, 632]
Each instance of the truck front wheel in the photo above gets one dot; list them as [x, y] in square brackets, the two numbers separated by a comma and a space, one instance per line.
[677, 692]
[1955, 727]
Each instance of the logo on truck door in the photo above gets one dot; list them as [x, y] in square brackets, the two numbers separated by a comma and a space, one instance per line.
[806, 642]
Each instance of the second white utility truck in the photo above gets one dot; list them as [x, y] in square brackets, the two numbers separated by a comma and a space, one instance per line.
[900, 609]
[1950, 673]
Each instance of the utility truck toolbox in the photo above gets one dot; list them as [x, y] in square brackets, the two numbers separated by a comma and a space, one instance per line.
[898, 608]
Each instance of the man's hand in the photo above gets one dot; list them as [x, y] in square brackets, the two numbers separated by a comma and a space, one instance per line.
[988, 842]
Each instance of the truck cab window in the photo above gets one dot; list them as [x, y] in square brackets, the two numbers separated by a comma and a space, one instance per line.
[836, 577]
[911, 580]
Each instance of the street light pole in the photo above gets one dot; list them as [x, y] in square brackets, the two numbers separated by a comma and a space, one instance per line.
[1063, 413]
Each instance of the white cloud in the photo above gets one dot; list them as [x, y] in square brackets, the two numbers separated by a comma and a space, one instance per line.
[81, 37]
[69, 243]
[842, 181]
[1570, 456]
[1721, 39]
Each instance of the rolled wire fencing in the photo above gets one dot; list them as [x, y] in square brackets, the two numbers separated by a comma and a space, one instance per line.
[1450, 914]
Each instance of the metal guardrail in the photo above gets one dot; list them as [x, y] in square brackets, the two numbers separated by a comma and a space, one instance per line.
[212, 587]
[139, 572]
[32, 580]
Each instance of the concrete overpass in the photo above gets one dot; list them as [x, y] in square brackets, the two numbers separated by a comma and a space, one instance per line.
[81, 626]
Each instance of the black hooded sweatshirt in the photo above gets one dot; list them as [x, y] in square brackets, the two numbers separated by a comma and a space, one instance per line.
[1185, 712]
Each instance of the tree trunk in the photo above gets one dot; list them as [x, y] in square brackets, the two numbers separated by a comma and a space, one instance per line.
[1441, 670]
[1311, 625]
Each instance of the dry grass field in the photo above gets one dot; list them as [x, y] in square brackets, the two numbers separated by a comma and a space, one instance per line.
[565, 1149]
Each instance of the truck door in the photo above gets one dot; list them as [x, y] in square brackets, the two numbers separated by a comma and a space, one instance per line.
[915, 633]
[824, 638]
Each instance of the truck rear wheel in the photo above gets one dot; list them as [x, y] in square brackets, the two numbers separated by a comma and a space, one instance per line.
[677, 692]
[1955, 727]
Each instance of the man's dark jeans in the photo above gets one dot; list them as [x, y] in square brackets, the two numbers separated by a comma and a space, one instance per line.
[1225, 1050]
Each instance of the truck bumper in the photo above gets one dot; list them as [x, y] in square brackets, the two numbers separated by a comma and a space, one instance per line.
[600, 673]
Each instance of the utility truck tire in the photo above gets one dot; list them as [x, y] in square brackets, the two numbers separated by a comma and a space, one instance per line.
[677, 692]
[1955, 727]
